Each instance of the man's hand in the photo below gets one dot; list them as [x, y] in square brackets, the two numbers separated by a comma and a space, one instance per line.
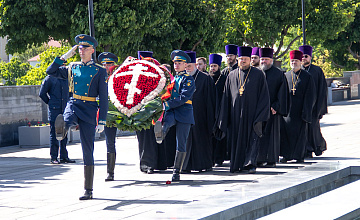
[273, 111]
[70, 53]
[100, 128]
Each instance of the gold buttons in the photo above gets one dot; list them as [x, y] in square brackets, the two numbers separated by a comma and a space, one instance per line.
[87, 84]
[85, 93]
[75, 82]
[90, 75]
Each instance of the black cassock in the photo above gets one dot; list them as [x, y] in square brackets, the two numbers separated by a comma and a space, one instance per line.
[316, 142]
[220, 146]
[199, 144]
[294, 127]
[228, 69]
[242, 115]
[279, 101]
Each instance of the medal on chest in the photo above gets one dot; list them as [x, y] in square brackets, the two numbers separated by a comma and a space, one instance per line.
[242, 84]
[294, 82]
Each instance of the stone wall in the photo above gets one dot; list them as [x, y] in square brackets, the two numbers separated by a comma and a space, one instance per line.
[19, 105]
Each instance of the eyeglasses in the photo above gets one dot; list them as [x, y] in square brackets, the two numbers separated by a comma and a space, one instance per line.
[306, 56]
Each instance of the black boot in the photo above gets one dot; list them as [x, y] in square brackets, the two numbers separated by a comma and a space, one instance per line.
[111, 158]
[60, 127]
[179, 161]
[158, 131]
[88, 183]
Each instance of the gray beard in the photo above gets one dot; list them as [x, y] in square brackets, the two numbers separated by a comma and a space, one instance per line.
[192, 72]
[265, 67]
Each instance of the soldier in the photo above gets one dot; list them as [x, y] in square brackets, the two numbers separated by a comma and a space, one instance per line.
[55, 93]
[108, 60]
[87, 80]
[178, 110]
[231, 58]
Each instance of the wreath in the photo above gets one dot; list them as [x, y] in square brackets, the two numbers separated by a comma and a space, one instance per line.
[135, 90]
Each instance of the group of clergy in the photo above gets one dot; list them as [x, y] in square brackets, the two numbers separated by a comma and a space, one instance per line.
[250, 113]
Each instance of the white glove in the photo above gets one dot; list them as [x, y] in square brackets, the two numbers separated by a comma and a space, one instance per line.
[99, 128]
[70, 53]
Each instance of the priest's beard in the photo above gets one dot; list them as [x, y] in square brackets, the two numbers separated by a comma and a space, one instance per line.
[306, 63]
[265, 67]
[215, 74]
[191, 73]
[244, 67]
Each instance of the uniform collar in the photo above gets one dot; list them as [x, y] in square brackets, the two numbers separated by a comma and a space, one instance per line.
[181, 73]
[91, 62]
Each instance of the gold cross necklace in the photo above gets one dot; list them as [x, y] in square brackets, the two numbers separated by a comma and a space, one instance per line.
[294, 83]
[242, 89]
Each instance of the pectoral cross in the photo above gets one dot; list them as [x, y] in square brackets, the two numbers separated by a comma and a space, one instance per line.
[293, 90]
[241, 91]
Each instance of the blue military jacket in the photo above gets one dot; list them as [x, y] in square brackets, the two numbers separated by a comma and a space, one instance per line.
[180, 101]
[55, 93]
[87, 80]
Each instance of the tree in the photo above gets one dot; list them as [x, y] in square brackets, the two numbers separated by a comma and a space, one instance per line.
[268, 22]
[36, 75]
[10, 72]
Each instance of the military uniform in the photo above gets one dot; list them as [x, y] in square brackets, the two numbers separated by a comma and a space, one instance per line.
[109, 59]
[55, 93]
[87, 81]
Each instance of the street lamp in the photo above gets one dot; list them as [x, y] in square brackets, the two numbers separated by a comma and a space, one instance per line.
[303, 21]
[91, 24]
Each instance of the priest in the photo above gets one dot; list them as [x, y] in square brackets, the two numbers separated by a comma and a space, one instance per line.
[199, 144]
[244, 107]
[279, 103]
[255, 57]
[294, 128]
[231, 58]
[316, 142]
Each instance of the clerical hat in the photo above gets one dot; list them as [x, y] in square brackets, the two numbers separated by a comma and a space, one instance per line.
[266, 52]
[192, 55]
[306, 49]
[143, 54]
[296, 54]
[84, 40]
[231, 49]
[255, 51]
[215, 58]
[244, 51]
[107, 57]
[180, 56]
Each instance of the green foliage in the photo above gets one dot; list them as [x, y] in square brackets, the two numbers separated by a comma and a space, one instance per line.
[35, 75]
[31, 51]
[11, 72]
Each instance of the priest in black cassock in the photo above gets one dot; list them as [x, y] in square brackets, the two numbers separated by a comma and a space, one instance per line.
[316, 142]
[152, 155]
[244, 107]
[199, 144]
[255, 57]
[279, 104]
[231, 58]
[294, 128]
[220, 146]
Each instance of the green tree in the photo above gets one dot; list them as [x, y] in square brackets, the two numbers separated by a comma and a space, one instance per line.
[35, 75]
[11, 72]
[269, 22]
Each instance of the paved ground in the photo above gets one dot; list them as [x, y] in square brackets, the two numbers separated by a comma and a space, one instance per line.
[32, 188]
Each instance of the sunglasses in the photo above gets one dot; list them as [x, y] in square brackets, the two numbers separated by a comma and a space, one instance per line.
[306, 56]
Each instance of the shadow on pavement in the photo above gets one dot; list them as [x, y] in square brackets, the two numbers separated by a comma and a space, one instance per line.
[134, 202]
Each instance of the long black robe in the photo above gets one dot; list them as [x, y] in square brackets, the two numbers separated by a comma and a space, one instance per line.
[316, 142]
[294, 127]
[199, 144]
[220, 146]
[228, 69]
[279, 101]
[244, 115]
[152, 155]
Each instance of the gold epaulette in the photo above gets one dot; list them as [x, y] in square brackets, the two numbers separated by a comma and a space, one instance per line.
[98, 65]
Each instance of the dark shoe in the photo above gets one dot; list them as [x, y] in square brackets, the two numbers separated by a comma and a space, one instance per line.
[283, 160]
[252, 170]
[87, 195]
[55, 161]
[110, 177]
[60, 129]
[318, 152]
[67, 160]
[150, 171]
[270, 164]
[260, 164]
[300, 161]
[208, 169]
[110, 163]
[178, 164]
[176, 176]
[158, 131]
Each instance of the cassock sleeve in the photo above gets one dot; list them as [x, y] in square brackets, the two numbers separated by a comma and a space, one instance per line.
[222, 121]
[263, 105]
[283, 99]
[309, 100]
[322, 95]
[211, 103]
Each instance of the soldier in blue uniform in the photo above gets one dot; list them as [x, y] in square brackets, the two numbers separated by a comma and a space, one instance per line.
[178, 110]
[55, 93]
[87, 80]
[108, 60]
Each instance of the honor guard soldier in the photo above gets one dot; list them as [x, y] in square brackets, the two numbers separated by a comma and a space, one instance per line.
[87, 80]
[178, 110]
[108, 61]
